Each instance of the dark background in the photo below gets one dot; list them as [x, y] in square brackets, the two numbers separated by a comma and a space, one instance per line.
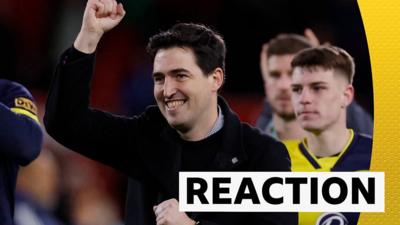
[34, 33]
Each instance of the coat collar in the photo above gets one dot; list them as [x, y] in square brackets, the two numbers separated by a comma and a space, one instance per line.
[232, 152]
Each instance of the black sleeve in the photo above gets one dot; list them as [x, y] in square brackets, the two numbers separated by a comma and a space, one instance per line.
[270, 155]
[98, 135]
[140, 199]
[277, 159]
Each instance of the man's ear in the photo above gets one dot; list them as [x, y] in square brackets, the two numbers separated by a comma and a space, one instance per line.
[217, 80]
[348, 95]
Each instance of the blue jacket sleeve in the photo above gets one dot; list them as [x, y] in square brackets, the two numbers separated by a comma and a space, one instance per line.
[20, 136]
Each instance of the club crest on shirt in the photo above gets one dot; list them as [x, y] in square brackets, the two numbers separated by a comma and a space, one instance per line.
[332, 219]
[27, 104]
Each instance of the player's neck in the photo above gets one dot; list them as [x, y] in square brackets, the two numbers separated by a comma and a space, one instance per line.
[328, 142]
[287, 130]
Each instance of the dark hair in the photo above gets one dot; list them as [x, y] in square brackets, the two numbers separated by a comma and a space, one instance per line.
[207, 45]
[327, 57]
[287, 44]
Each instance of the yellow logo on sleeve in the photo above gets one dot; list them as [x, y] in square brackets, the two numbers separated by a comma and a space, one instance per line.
[27, 104]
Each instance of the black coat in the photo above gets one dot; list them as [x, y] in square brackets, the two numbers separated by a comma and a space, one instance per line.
[146, 147]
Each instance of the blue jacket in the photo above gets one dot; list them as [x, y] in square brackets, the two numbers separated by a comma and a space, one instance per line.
[20, 141]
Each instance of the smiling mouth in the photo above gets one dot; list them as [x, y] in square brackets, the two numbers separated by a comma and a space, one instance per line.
[174, 104]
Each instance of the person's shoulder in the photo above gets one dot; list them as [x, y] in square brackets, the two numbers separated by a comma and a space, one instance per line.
[152, 112]
[364, 137]
[292, 145]
[253, 133]
[364, 141]
[264, 151]
[255, 140]
[360, 145]
[153, 118]
[18, 99]
[357, 156]
[12, 88]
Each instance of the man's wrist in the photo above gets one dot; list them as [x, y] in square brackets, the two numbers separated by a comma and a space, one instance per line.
[87, 42]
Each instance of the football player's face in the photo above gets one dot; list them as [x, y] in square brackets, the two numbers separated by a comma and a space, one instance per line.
[277, 84]
[319, 97]
[182, 91]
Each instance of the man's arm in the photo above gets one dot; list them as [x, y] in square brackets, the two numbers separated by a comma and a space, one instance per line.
[277, 159]
[68, 119]
[271, 157]
[20, 137]
[20, 134]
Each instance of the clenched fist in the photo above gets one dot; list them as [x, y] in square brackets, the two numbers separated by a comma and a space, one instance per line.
[100, 16]
[167, 213]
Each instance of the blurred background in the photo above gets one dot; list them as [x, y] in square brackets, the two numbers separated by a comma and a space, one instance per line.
[63, 187]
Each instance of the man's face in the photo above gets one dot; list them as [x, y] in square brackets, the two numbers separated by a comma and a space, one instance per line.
[277, 85]
[319, 98]
[182, 91]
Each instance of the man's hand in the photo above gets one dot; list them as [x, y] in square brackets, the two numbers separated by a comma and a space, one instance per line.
[308, 33]
[167, 213]
[100, 16]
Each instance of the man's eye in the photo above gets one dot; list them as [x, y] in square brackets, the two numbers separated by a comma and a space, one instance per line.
[296, 89]
[318, 88]
[181, 76]
[274, 75]
[158, 79]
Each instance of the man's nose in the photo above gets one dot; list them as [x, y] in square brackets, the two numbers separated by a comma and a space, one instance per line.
[305, 96]
[169, 87]
[285, 82]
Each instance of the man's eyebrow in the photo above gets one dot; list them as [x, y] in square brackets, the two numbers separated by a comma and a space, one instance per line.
[179, 70]
[312, 84]
[174, 71]
[318, 83]
[295, 85]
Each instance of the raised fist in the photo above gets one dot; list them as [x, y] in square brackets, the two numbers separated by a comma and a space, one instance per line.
[100, 16]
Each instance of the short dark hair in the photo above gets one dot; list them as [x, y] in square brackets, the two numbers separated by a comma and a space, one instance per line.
[285, 44]
[327, 57]
[207, 45]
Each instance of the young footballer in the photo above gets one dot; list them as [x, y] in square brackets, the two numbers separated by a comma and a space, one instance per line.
[321, 92]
